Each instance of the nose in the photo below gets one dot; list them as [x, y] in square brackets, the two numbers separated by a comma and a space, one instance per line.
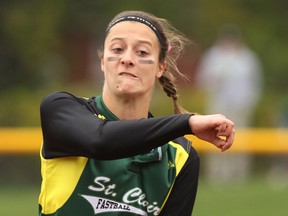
[127, 58]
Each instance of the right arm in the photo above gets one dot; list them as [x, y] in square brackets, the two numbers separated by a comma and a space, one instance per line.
[70, 129]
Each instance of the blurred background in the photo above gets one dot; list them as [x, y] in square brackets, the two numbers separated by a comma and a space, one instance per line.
[47, 46]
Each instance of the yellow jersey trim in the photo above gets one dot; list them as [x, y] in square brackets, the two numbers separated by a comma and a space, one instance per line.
[55, 189]
[180, 160]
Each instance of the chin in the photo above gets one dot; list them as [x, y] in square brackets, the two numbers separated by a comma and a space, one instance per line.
[130, 93]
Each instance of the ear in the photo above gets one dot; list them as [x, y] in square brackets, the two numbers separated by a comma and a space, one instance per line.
[102, 64]
[162, 68]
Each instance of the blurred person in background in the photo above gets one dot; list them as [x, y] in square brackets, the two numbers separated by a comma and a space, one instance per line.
[230, 74]
[107, 155]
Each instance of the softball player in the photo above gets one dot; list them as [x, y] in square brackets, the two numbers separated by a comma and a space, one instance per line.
[107, 155]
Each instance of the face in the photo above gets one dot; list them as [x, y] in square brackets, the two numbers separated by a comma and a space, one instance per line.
[130, 60]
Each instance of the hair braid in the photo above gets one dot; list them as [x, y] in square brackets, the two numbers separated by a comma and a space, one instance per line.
[170, 89]
[176, 41]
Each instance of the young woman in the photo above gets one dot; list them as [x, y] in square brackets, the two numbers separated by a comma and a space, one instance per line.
[107, 155]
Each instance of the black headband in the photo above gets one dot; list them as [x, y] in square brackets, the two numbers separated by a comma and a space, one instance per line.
[162, 39]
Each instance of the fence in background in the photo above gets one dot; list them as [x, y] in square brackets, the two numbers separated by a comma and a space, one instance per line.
[252, 140]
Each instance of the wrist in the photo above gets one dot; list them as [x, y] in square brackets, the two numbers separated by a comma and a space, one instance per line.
[190, 121]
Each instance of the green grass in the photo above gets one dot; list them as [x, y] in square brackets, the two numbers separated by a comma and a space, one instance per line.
[18, 200]
[255, 198]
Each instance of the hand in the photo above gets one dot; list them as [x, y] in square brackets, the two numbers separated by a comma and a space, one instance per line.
[215, 129]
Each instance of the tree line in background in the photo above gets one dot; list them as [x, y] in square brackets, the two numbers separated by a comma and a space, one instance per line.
[44, 43]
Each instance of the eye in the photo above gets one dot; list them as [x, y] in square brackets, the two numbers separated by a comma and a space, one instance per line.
[117, 50]
[142, 53]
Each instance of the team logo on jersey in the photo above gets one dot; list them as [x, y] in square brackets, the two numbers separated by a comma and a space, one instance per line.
[101, 205]
[133, 196]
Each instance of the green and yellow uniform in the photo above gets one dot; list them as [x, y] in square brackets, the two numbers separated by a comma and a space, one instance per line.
[95, 164]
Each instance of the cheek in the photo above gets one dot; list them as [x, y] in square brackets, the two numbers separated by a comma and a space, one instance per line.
[108, 63]
[151, 75]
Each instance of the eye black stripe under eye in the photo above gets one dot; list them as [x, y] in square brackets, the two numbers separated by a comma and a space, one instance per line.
[149, 61]
[112, 58]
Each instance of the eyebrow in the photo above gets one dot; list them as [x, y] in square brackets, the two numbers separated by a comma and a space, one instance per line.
[138, 41]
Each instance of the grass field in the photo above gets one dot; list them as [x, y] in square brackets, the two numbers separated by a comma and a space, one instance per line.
[254, 198]
[18, 200]
[257, 197]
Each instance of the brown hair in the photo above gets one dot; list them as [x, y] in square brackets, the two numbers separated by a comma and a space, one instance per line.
[174, 43]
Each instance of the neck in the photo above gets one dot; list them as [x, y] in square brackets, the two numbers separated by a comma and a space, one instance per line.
[127, 107]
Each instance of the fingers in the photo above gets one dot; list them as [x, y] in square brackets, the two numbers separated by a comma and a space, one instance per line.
[222, 127]
[225, 129]
[225, 134]
[229, 141]
[224, 142]
[219, 142]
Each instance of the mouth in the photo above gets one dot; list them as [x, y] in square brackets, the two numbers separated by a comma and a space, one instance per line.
[127, 74]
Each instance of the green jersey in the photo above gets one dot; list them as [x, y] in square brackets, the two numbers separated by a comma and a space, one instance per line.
[82, 176]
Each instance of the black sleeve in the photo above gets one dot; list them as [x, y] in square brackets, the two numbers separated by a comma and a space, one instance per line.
[70, 129]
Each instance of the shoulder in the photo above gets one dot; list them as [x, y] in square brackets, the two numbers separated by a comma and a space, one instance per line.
[63, 99]
[58, 99]
[58, 95]
[62, 95]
